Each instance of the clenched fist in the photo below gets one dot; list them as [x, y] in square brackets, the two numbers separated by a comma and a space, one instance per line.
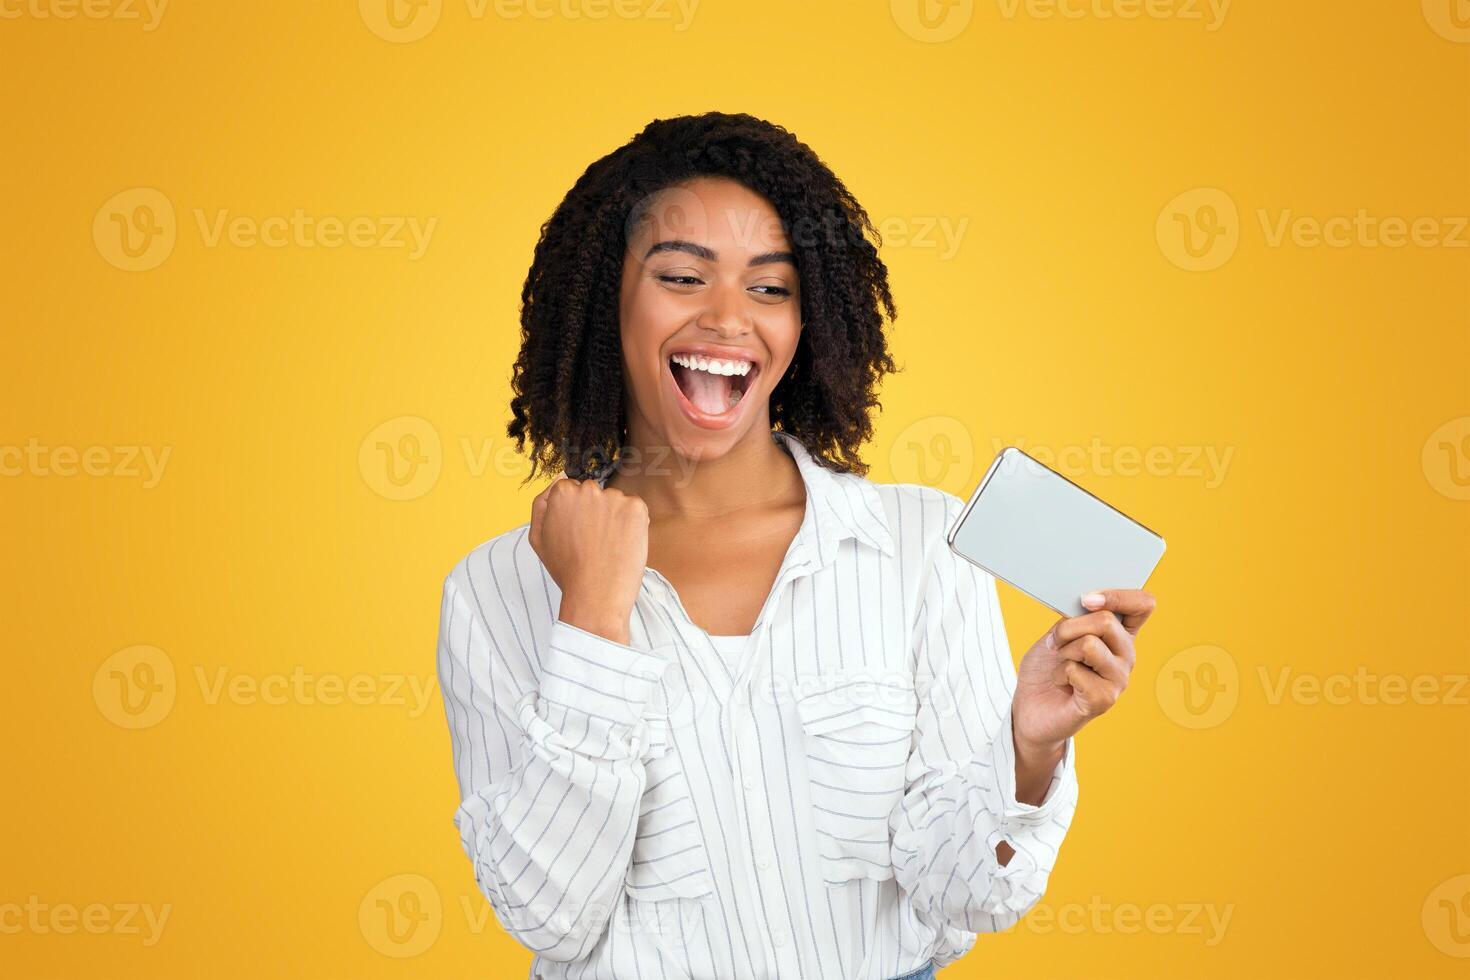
[594, 544]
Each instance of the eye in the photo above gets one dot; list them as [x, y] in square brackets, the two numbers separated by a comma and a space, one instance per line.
[774, 290]
[681, 280]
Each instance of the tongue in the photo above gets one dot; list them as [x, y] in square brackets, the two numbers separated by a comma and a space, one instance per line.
[710, 393]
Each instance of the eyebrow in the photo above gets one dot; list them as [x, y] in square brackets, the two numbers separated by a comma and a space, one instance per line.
[709, 255]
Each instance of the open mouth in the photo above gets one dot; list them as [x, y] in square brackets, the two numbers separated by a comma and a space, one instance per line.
[711, 384]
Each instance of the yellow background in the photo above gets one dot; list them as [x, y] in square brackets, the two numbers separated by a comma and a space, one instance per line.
[1333, 835]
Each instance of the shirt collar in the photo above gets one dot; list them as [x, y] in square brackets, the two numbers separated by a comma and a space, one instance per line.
[839, 505]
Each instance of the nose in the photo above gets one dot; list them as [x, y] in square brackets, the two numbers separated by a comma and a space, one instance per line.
[725, 313]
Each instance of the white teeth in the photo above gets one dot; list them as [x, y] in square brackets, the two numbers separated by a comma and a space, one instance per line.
[712, 365]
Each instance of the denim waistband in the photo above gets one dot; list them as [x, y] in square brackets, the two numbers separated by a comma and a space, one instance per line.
[927, 973]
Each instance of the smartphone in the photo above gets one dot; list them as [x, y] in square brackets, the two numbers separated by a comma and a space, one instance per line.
[1034, 528]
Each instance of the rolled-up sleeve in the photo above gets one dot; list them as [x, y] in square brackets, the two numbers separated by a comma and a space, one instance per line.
[549, 763]
[960, 785]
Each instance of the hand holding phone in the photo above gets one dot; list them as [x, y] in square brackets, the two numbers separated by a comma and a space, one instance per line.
[1048, 537]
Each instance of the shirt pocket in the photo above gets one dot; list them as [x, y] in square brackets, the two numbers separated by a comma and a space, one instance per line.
[669, 857]
[858, 730]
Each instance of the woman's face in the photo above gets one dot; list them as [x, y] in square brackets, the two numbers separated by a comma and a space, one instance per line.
[710, 314]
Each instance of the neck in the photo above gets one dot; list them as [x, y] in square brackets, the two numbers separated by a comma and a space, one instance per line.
[754, 473]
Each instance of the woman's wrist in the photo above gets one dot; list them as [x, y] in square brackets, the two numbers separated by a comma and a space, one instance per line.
[609, 624]
[1035, 763]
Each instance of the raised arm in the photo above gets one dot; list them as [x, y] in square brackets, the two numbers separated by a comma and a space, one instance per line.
[550, 773]
[960, 806]
[549, 733]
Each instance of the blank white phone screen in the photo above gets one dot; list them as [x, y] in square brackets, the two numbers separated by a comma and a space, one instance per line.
[1048, 537]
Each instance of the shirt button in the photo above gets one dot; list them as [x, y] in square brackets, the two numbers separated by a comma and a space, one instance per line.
[779, 936]
[762, 861]
[749, 782]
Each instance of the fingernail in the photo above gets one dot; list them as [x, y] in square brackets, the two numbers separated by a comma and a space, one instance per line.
[1051, 638]
[1093, 599]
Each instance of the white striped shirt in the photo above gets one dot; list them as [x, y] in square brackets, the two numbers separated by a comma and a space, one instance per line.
[824, 804]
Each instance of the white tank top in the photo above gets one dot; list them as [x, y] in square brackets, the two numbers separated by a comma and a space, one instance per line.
[729, 646]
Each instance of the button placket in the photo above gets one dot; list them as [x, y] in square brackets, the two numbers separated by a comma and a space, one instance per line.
[759, 841]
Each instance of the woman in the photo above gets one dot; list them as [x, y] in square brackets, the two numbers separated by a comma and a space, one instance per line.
[723, 707]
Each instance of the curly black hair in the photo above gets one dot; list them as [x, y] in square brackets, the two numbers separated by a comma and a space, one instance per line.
[568, 382]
